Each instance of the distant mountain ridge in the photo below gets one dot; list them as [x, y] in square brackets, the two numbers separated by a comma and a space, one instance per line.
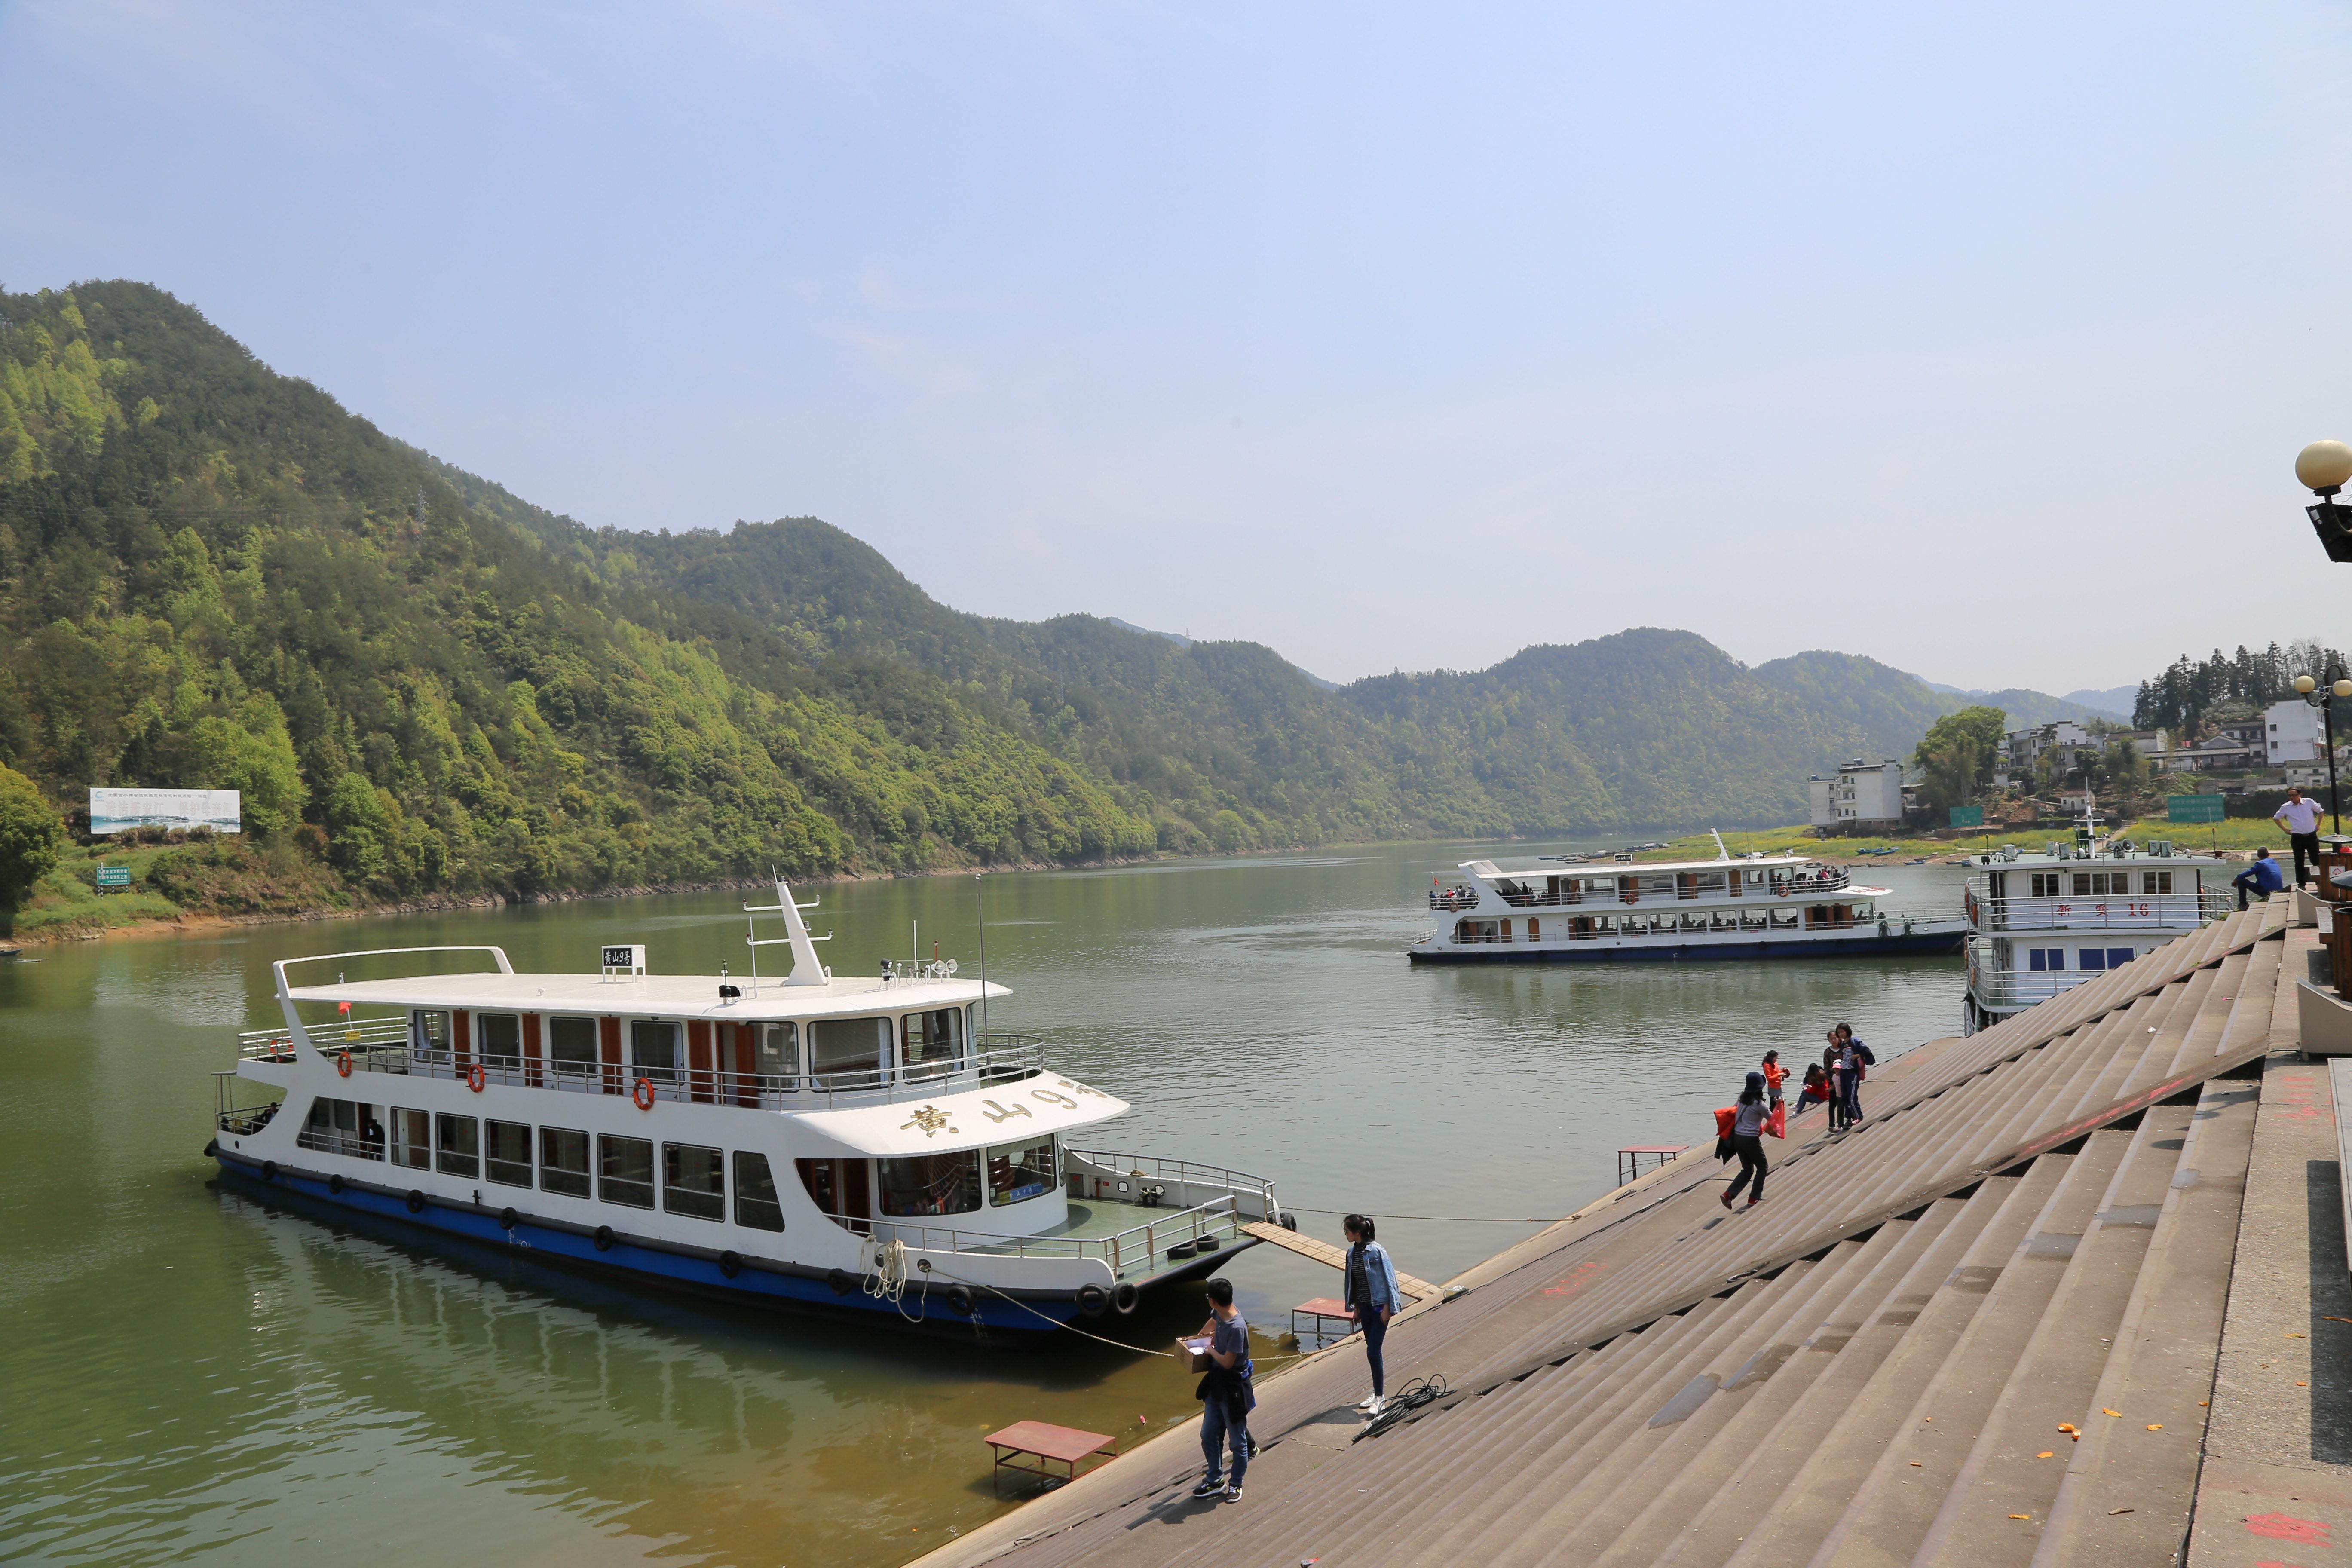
[2024, 706]
[213, 574]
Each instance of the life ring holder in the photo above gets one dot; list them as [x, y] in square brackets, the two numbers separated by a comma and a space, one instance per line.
[476, 1077]
[343, 1064]
[644, 1094]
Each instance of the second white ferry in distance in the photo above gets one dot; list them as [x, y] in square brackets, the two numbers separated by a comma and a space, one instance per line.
[1760, 906]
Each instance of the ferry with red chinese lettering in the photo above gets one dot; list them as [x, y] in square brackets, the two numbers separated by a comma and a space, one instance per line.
[855, 1145]
[2042, 924]
[1566, 910]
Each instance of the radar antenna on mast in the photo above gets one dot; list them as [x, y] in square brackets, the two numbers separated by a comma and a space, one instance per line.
[806, 970]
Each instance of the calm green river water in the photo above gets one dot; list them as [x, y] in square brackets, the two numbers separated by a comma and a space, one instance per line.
[193, 1376]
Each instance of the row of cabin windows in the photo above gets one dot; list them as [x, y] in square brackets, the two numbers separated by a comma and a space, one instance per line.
[1576, 928]
[693, 1178]
[2099, 884]
[2039, 960]
[927, 1186]
[821, 1048]
[1631, 886]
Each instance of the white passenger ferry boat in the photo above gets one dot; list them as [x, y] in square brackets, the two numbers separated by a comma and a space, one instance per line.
[1761, 906]
[2039, 924]
[853, 1145]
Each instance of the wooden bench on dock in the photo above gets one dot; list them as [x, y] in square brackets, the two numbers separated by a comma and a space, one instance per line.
[1337, 1257]
[1048, 1444]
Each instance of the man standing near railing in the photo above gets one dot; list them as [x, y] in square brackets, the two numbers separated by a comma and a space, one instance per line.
[2302, 819]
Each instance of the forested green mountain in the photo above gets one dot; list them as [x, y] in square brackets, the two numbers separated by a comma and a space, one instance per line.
[213, 574]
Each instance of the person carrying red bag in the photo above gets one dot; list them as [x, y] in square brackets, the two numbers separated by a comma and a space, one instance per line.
[1746, 1140]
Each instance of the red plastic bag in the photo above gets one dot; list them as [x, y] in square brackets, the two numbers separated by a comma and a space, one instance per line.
[1776, 1124]
[1723, 1120]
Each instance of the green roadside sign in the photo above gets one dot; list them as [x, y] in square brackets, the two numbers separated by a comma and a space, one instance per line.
[2193, 808]
[1968, 816]
[114, 876]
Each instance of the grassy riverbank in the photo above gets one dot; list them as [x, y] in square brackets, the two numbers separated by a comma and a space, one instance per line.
[2238, 834]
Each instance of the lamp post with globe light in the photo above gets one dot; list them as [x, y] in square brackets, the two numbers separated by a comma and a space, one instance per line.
[2323, 468]
[2308, 689]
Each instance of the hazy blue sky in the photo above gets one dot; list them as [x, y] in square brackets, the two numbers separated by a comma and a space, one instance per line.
[1981, 343]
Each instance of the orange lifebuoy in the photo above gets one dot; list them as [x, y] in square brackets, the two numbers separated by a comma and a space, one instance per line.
[644, 1094]
[343, 1064]
[476, 1077]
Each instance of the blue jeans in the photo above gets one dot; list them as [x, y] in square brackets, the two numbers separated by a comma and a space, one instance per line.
[1218, 1431]
[1369, 1319]
[1849, 1089]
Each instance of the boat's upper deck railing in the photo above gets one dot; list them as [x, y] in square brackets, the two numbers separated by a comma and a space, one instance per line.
[383, 1045]
[1652, 887]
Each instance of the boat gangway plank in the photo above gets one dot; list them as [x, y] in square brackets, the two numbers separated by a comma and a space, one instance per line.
[1337, 1257]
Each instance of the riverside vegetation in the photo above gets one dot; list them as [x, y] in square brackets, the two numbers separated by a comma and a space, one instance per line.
[425, 688]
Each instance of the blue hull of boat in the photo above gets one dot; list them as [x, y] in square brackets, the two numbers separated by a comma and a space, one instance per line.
[993, 1315]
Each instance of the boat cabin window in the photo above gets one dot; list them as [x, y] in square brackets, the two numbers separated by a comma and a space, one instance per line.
[572, 1045]
[564, 1161]
[342, 1127]
[839, 1190]
[694, 1181]
[624, 1170]
[498, 1039]
[933, 1040]
[756, 1204]
[653, 1050]
[428, 1033]
[917, 1185]
[2049, 885]
[847, 1046]
[1478, 931]
[1019, 1171]
[457, 1144]
[2155, 881]
[507, 1152]
[2103, 957]
[2103, 884]
[776, 1054]
[2037, 958]
[412, 1140]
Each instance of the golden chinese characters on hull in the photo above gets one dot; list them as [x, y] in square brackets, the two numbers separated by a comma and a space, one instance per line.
[930, 1118]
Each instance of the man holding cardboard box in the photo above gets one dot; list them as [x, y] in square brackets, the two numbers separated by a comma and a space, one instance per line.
[1222, 1348]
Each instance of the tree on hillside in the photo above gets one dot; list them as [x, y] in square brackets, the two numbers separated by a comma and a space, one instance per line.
[30, 837]
[1956, 756]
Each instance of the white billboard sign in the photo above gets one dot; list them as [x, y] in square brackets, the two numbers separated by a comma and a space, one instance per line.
[121, 810]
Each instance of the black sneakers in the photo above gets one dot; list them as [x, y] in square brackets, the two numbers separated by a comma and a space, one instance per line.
[1209, 1488]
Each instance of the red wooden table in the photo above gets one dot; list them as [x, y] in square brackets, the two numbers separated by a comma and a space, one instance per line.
[1048, 1444]
[1319, 1309]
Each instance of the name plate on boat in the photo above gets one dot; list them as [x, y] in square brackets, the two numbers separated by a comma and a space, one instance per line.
[624, 962]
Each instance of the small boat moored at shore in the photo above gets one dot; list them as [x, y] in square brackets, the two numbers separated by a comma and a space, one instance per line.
[856, 1146]
[1761, 906]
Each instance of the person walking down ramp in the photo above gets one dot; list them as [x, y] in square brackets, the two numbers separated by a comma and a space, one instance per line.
[2261, 879]
[1371, 1297]
[1224, 1393]
[1748, 1141]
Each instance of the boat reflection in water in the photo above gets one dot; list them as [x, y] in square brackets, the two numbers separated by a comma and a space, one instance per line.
[652, 1422]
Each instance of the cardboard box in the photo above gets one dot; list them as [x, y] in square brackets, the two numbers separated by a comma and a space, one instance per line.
[1200, 1349]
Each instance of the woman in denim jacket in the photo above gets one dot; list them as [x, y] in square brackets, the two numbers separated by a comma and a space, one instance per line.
[1371, 1297]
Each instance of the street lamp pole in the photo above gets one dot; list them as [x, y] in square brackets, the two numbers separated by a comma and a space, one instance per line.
[2308, 689]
